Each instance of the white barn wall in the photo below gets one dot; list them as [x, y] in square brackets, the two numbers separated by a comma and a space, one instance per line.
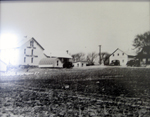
[3, 66]
[38, 51]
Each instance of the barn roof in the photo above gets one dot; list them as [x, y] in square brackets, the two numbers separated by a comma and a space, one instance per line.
[22, 42]
[47, 61]
[57, 54]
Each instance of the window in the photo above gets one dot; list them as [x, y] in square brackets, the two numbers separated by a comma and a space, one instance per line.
[32, 52]
[31, 60]
[31, 43]
[118, 54]
[24, 59]
[24, 51]
[122, 53]
[113, 55]
[57, 63]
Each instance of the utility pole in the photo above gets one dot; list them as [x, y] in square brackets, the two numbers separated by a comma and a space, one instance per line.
[100, 54]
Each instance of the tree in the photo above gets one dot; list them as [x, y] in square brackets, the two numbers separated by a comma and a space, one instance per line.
[91, 57]
[105, 58]
[78, 57]
[141, 41]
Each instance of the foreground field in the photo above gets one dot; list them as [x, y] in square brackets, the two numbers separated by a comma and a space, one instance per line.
[93, 92]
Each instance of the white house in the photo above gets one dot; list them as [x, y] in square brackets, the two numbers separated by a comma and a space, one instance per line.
[26, 52]
[3, 66]
[50, 62]
[122, 56]
[80, 64]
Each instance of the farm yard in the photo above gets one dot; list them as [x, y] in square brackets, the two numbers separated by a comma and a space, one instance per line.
[82, 92]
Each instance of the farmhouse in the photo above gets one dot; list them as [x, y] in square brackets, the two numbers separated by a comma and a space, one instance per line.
[27, 52]
[80, 64]
[50, 62]
[3, 66]
[122, 56]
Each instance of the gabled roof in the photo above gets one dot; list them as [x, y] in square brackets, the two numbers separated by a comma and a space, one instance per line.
[129, 53]
[22, 42]
[48, 61]
[3, 62]
[57, 54]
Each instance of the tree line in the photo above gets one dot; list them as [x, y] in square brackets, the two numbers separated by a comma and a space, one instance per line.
[91, 57]
[140, 43]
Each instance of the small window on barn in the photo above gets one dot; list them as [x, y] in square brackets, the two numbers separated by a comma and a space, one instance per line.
[31, 43]
[31, 60]
[24, 59]
[24, 51]
[118, 54]
[122, 53]
[82, 64]
[113, 55]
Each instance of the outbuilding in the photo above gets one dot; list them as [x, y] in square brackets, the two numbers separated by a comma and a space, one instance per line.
[80, 64]
[3, 66]
[50, 62]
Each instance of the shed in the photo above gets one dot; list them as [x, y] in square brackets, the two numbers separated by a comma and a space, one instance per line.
[3, 66]
[50, 62]
[80, 64]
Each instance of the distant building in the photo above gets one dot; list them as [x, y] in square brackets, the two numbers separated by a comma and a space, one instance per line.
[27, 52]
[3, 66]
[80, 63]
[144, 55]
[51, 63]
[62, 56]
[122, 56]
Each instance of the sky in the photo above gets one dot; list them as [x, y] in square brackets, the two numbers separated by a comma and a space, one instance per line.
[76, 26]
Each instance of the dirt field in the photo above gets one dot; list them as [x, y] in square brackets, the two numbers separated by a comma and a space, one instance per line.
[88, 92]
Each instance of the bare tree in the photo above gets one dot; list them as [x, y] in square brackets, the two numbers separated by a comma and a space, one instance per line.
[78, 57]
[91, 58]
[105, 58]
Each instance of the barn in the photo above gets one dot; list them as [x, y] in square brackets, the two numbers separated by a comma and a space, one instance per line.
[27, 51]
[3, 66]
[51, 63]
[80, 64]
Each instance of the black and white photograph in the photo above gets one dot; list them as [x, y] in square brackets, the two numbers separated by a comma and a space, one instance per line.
[74, 58]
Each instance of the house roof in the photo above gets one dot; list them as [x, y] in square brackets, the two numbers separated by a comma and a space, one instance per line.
[47, 61]
[57, 54]
[129, 52]
[22, 42]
